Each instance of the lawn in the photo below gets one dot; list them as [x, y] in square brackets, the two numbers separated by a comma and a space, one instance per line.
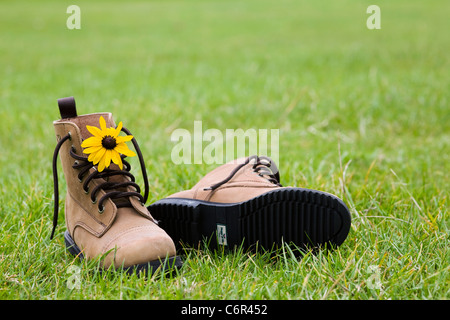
[361, 113]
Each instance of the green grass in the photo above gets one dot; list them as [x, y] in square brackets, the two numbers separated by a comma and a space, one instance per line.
[362, 113]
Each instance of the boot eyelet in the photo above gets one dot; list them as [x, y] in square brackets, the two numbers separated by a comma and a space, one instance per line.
[73, 149]
[86, 190]
[101, 210]
[94, 201]
[70, 136]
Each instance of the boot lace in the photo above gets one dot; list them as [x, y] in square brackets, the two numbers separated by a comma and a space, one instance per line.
[111, 188]
[264, 166]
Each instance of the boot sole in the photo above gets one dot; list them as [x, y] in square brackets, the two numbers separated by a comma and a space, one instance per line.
[170, 263]
[307, 218]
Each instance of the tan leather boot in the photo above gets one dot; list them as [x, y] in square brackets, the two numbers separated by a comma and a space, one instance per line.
[105, 213]
[243, 203]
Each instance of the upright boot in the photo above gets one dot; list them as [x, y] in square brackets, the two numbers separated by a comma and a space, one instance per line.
[105, 213]
[243, 203]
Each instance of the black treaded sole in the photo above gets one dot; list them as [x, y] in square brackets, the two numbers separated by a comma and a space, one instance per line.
[307, 218]
[145, 268]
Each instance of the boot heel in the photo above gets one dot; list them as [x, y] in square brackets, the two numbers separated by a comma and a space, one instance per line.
[71, 246]
[180, 219]
[307, 218]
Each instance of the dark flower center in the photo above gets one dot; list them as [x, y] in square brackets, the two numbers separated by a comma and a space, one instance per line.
[109, 142]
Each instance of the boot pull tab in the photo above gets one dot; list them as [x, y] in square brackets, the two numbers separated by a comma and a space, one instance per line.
[67, 107]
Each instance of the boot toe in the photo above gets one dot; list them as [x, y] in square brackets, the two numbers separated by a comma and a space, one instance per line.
[138, 246]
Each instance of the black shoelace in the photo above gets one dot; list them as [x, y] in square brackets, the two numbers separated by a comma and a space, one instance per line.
[82, 164]
[264, 166]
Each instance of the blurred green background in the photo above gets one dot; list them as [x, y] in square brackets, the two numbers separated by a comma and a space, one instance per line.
[312, 70]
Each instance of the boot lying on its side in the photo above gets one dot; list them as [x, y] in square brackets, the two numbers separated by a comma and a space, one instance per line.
[243, 203]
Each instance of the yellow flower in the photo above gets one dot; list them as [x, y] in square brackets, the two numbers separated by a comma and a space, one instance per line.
[106, 145]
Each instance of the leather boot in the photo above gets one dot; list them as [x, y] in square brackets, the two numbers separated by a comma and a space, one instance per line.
[243, 203]
[105, 213]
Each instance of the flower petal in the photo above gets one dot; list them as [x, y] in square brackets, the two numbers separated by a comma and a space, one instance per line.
[92, 157]
[92, 142]
[117, 159]
[96, 132]
[102, 162]
[108, 156]
[124, 139]
[93, 149]
[109, 132]
[118, 129]
[101, 166]
[99, 155]
[102, 123]
[123, 149]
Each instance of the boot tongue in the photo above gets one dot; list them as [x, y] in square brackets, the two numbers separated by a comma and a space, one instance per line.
[92, 120]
